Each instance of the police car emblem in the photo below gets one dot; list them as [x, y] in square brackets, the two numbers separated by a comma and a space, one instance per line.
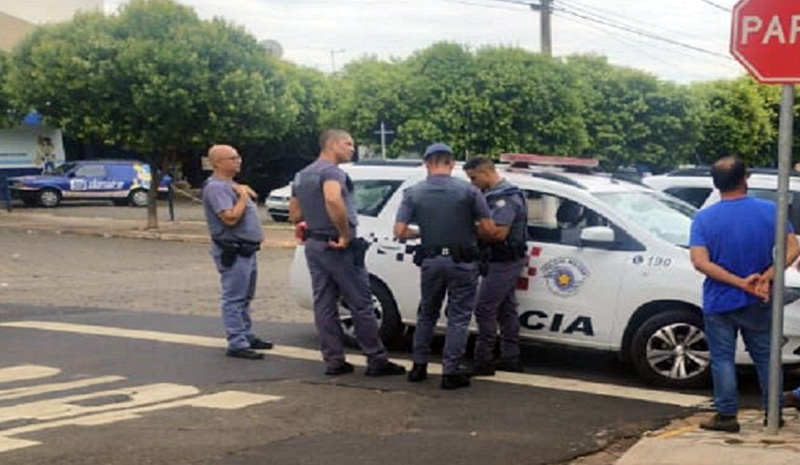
[564, 275]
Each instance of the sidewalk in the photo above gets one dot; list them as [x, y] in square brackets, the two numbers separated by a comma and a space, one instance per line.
[684, 443]
[276, 236]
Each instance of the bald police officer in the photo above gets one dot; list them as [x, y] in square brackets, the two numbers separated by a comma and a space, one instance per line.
[236, 235]
[446, 210]
[504, 254]
[322, 196]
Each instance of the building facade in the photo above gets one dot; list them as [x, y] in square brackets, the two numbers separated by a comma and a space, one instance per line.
[19, 17]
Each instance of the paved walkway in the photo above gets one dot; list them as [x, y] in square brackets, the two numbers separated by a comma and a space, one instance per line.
[277, 235]
[684, 443]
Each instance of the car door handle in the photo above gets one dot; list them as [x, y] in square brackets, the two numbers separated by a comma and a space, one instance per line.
[390, 247]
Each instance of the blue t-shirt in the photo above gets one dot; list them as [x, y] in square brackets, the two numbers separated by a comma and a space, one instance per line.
[739, 235]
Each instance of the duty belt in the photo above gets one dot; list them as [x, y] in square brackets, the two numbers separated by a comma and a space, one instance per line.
[325, 237]
[457, 253]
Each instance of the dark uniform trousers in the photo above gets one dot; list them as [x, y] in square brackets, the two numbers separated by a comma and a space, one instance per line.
[334, 274]
[441, 276]
[497, 304]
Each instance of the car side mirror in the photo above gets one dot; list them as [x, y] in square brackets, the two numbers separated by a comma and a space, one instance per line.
[597, 236]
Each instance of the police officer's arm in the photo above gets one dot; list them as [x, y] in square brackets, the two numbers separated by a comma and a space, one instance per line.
[295, 212]
[487, 229]
[404, 216]
[493, 232]
[232, 216]
[337, 211]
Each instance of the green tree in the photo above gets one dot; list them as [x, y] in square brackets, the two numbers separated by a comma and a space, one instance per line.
[632, 117]
[154, 79]
[5, 104]
[738, 118]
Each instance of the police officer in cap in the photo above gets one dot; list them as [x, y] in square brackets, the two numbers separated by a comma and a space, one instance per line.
[322, 196]
[503, 254]
[446, 210]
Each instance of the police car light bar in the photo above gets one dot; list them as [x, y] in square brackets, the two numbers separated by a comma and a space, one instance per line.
[548, 160]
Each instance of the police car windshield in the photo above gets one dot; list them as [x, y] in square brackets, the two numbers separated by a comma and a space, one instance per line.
[63, 169]
[666, 219]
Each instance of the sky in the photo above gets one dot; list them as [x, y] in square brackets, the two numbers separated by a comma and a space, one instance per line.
[676, 40]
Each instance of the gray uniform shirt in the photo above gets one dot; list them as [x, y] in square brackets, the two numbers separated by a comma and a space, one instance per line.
[307, 187]
[446, 209]
[508, 210]
[218, 196]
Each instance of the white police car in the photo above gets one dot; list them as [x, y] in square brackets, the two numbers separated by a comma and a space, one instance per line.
[121, 181]
[608, 268]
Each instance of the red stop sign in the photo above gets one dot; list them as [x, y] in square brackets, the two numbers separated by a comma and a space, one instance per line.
[765, 38]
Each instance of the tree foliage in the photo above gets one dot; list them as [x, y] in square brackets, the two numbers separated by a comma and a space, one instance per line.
[154, 79]
[5, 104]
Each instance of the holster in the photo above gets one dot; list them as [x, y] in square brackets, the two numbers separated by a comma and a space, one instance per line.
[233, 249]
[359, 248]
[459, 254]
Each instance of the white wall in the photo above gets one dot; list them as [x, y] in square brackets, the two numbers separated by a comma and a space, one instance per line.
[47, 11]
[19, 148]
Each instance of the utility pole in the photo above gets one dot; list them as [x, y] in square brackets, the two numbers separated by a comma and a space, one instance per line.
[383, 132]
[544, 20]
[333, 58]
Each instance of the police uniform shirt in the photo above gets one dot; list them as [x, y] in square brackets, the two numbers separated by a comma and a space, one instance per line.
[218, 196]
[445, 208]
[508, 210]
[307, 188]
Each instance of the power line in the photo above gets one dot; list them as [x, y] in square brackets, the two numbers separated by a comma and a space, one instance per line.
[638, 31]
[717, 6]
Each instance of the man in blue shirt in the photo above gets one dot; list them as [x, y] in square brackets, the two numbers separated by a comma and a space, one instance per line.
[732, 243]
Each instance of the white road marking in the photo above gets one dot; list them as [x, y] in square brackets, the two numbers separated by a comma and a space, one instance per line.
[26, 372]
[55, 387]
[227, 400]
[538, 381]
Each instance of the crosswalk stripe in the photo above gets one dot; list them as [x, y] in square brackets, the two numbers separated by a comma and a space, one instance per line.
[19, 393]
[26, 372]
[531, 380]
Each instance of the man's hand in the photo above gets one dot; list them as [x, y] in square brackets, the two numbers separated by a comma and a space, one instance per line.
[244, 190]
[756, 285]
[341, 243]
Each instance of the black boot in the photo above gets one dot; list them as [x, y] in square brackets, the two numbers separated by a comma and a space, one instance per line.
[512, 364]
[418, 373]
[718, 422]
[482, 369]
[450, 382]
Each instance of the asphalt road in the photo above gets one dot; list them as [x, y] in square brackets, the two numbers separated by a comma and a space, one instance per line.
[179, 400]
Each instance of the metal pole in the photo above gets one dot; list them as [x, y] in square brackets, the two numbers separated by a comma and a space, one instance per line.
[784, 161]
[171, 201]
[544, 18]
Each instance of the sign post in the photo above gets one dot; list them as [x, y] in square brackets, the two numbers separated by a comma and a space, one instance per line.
[765, 39]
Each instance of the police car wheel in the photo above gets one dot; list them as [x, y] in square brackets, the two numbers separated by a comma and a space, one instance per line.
[138, 198]
[49, 198]
[390, 327]
[670, 350]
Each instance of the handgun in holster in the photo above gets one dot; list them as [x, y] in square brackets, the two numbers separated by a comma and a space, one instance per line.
[359, 247]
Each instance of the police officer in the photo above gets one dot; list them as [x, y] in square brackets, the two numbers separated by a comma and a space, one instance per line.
[446, 210]
[322, 196]
[504, 256]
[236, 235]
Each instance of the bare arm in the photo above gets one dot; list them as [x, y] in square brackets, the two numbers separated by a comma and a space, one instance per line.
[402, 231]
[232, 216]
[792, 252]
[497, 234]
[295, 212]
[337, 211]
[702, 263]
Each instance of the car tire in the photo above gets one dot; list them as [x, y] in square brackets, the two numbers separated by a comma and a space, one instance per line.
[48, 198]
[670, 350]
[391, 329]
[138, 198]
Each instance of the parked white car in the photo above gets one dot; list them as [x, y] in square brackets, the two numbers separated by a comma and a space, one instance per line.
[277, 203]
[613, 275]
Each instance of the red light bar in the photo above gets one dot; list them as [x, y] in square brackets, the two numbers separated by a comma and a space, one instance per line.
[550, 160]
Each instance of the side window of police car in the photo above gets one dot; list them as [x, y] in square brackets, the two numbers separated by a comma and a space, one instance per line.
[794, 203]
[91, 171]
[372, 195]
[558, 220]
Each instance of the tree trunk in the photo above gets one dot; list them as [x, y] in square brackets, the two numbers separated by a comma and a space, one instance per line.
[152, 198]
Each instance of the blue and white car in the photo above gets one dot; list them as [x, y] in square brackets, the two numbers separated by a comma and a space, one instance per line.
[125, 182]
